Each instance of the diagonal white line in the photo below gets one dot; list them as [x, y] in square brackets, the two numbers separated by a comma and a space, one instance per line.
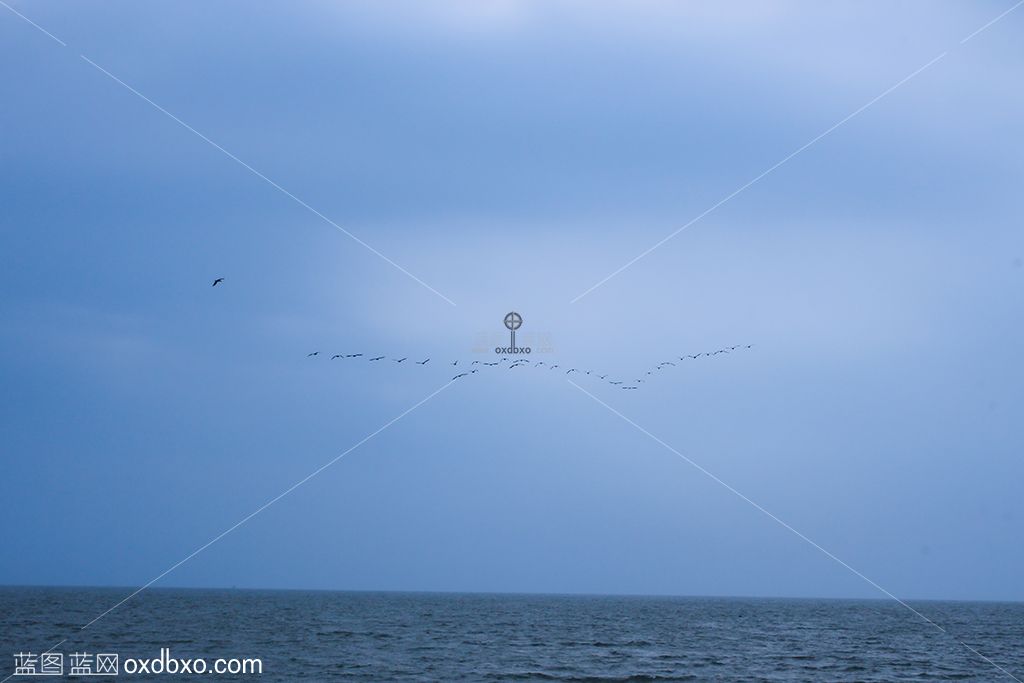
[992, 22]
[259, 509]
[270, 502]
[761, 175]
[32, 23]
[260, 175]
[234, 158]
[743, 187]
[790, 528]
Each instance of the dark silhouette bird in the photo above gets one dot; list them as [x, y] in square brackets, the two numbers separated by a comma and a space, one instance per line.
[553, 367]
[615, 383]
[337, 355]
[474, 362]
[461, 374]
[602, 376]
[473, 372]
[540, 363]
[399, 360]
[493, 364]
[668, 363]
[455, 362]
[627, 387]
[352, 355]
[315, 353]
[423, 362]
[217, 282]
[571, 370]
[378, 358]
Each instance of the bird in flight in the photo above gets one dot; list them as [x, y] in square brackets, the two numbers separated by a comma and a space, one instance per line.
[455, 362]
[217, 282]
[461, 374]
[571, 370]
[615, 383]
[378, 358]
[352, 355]
[398, 360]
[315, 353]
[474, 362]
[422, 362]
[628, 387]
[601, 376]
[337, 355]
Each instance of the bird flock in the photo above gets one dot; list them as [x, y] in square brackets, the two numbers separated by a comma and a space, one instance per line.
[522, 362]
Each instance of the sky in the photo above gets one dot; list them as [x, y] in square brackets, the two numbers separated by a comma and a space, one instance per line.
[511, 155]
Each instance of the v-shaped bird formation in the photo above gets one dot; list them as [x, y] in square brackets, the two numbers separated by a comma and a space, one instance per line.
[522, 362]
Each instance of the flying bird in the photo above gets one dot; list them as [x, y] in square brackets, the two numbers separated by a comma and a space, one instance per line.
[315, 353]
[337, 355]
[461, 374]
[422, 362]
[615, 383]
[571, 370]
[352, 355]
[455, 362]
[399, 360]
[378, 358]
[474, 362]
[217, 282]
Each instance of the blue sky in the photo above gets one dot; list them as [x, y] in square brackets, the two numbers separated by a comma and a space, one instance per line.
[511, 155]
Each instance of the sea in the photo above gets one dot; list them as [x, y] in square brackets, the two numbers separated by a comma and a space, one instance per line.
[364, 636]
